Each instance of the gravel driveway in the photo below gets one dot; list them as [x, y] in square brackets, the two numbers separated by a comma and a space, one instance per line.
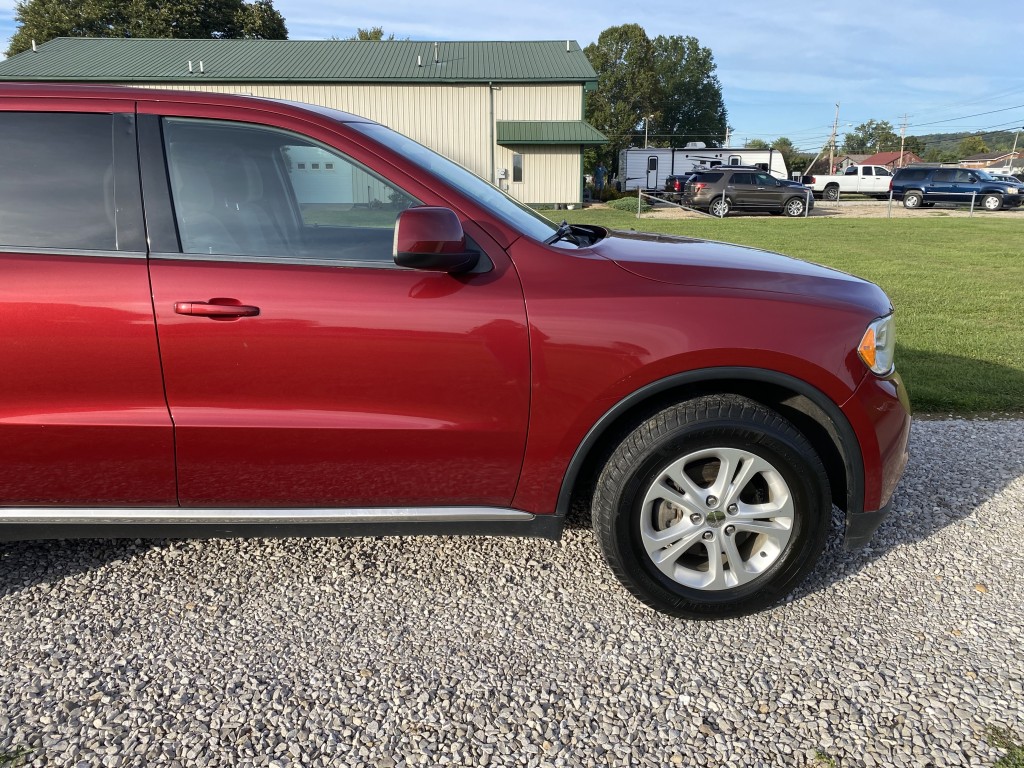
[392, 652]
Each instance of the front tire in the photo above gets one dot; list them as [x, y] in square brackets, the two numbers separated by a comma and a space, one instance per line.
[715, 507]
[992, 202]
[794, 207]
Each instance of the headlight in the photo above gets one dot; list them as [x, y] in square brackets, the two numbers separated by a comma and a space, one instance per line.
[1013, 191]
[878, 345]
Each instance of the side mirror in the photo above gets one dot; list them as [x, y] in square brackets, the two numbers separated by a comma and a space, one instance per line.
[432, 239]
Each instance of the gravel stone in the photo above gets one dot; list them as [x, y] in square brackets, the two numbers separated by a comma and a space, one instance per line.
[394, 653]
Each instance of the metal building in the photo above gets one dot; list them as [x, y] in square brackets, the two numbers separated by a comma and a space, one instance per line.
[511, 112]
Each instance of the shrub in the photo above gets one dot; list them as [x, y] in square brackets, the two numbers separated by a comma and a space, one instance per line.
[628, 204]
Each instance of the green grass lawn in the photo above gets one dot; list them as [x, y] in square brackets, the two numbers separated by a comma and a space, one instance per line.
[957, 285]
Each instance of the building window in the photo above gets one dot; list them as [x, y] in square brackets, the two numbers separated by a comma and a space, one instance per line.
[517, 168]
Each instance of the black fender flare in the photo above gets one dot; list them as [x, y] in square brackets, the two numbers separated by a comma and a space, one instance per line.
[852, 458]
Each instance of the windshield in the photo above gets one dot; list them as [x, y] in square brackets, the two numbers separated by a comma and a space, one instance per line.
[512, 212]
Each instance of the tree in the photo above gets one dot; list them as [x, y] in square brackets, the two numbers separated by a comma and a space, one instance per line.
[757, 144]
[259, 20]
[691, 105]
[667, 85]
[373, 33]
[43, 20]
[972, 145]
[915, 145]
[870, 137]
[627, 91]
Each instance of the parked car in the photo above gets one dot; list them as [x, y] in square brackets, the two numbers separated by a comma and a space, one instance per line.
[742, 188]
[675, 186]
[871, 180]
[921, 187]
[230, 316]
[1003, 177]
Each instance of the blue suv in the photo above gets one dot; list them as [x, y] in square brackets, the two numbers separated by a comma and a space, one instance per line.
[923, 187]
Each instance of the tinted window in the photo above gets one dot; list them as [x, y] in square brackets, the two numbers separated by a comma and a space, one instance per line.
[57, 181]
[913, 174]
[882, 172]
[965, 177]
[868, 171]
[742, 178]
[707, 178]
[764, 180]
[251, 191]
[944, 175]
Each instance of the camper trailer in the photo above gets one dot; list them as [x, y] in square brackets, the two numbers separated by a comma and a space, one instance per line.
[648, 168]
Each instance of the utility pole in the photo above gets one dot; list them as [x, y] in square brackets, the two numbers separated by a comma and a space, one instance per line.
[903, 139]
[1013, 152]
[832, 142]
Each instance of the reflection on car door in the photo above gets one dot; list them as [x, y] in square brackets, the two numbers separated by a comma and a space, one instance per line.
[83, 420]
[303, 368]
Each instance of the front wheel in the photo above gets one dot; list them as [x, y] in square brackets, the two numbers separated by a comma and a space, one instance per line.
[715, 507]
[992, 202]
[794, 206]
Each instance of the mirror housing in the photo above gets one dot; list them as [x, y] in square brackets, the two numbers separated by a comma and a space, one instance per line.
[432, 239]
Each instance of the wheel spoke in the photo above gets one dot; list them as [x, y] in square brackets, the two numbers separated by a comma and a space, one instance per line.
[694, 493]
[691, 502]
[664, 547]
[749, 467]
[737, 567]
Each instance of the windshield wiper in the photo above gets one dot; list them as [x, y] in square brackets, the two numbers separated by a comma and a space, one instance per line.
[564, 232]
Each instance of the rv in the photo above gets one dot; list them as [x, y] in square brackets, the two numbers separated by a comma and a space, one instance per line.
[648, 168]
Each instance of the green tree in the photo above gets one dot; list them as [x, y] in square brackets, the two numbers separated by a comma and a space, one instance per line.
[259, 20]
[690, 104]
[915, 145]
[373, 33]
[627, 88]
[757, 144]
[872, 136]
[972, 145]
[43, 20]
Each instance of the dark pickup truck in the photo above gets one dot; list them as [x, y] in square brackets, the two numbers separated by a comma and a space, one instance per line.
[674, 186]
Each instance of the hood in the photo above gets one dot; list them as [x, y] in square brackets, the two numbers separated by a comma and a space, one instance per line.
[710, 264]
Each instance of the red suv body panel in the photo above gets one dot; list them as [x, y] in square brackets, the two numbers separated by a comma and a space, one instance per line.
[391, 387]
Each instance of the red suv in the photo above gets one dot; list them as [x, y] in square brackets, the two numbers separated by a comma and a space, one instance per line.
[225, 315]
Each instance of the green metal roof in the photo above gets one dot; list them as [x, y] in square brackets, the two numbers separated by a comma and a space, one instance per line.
[548, 132]
[114, 60]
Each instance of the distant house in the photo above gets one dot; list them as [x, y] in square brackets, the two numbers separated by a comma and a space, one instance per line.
[892, 160]
[1001, 159]
[511, 112]
[846, 161]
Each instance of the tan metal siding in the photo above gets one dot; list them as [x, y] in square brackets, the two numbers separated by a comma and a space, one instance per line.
[454, 120]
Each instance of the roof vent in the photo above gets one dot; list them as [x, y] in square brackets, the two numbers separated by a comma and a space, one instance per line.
[201, 70]
[34, 45]
[567, 46]
[435, 53]
[190, 66]
[419, 61]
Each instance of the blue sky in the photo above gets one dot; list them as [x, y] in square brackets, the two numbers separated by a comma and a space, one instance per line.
[948, 65]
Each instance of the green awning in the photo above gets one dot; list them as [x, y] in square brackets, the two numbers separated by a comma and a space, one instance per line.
[511, 132]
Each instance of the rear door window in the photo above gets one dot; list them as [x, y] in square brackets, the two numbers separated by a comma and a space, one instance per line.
[60, 187]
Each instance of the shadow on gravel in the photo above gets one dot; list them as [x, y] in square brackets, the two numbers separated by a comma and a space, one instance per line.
[25, 564]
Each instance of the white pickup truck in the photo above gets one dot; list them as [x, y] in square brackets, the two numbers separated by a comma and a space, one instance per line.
[860, 179]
